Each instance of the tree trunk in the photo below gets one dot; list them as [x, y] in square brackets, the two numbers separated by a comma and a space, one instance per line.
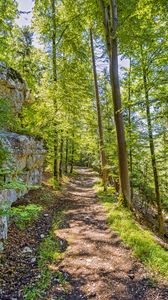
[110, 20]
[99, 117]
[61, 158]
[72, 158]
[129, 131]
[152, 151]
[130, 156]
[66, 156]
[109, 123]
[54, 65]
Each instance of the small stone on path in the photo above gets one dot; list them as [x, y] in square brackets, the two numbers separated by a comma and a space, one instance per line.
[27, 250]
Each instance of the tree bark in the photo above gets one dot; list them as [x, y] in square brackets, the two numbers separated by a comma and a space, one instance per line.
[110, 20]
[152, 150]
[54, 65]
[72, 158]
[66, 156]
[61, 158]
[130, 131]
[99, 118]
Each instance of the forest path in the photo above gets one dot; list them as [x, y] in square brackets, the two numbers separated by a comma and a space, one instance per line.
[97, 264]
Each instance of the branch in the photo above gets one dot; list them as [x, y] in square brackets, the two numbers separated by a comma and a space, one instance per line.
[61, 35]
[24, 12]
[69, 21]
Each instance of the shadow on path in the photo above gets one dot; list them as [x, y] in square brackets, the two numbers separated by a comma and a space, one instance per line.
[97, 264]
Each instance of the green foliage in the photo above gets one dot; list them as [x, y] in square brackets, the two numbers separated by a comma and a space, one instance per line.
[4, 210]
[36, 291]
[16, 185]
[63, 108]
[6, 115]
[144, 31]
[8, 12]
[5, 171]
[138, 239]
[3, 155]
[23, 215]
[28, 60]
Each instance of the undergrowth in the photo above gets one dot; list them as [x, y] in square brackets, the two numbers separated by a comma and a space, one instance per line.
[23, 215]
[141, 241]
[17, 185]
[58, 185]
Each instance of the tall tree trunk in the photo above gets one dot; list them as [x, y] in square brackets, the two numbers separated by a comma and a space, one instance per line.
[165, 144]
[110, 20]
[152, 151]
[108, 114]
[99, 117]
[61, 157]
[72, 158]
[130, 155]
[66, 156]
[130, 131]
[54, 65]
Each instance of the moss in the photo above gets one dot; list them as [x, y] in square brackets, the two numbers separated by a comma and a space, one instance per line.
[15, 75]
[3, 153]
[8, 118]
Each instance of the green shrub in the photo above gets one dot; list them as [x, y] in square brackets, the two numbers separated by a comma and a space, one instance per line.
[16, 185]
[24, 215]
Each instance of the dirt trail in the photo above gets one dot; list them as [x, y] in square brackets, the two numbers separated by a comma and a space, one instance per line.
[96, 262]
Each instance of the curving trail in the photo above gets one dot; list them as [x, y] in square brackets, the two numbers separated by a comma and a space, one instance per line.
[96, 264]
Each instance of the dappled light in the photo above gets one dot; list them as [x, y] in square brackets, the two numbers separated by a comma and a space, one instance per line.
[83, 150]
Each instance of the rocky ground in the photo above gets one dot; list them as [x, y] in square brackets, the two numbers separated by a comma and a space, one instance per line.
[96, 264]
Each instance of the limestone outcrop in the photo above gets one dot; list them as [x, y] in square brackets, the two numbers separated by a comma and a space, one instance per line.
[22, 165]
[13, 87]
[25, 157]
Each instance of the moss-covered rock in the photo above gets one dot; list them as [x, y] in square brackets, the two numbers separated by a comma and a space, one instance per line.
[13, 89]
[21, 156]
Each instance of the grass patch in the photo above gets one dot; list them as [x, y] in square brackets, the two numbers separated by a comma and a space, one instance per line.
[23, 215]
[17, 185]
[48, 254]
[141, 241]
[58, 185]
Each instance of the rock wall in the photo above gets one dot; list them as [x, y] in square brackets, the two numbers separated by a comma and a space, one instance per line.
[13, 87]
[25, 157]
[22, 165]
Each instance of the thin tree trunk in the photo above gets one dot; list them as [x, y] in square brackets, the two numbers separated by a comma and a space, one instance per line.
[54, 65]
[99, 117]
[165, 145]
[130, 155]
[110, 20]
[72, 158]
[61, 158]
[130, 135]
[152, 151]
[66, 156]
[109, 123]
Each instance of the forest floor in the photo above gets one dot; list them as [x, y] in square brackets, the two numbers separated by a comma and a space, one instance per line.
[94, 262]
